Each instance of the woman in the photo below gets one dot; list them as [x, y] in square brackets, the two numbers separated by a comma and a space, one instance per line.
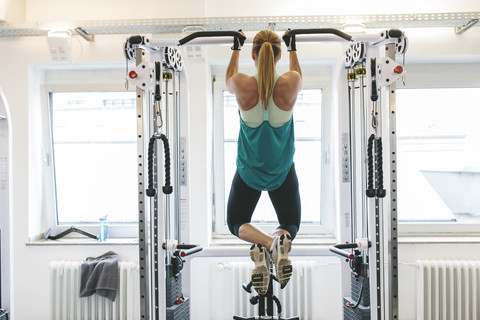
[265, 154]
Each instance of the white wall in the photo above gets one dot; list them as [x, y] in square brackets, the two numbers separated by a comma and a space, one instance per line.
[5, 180]
[18, 59]
[29, 263]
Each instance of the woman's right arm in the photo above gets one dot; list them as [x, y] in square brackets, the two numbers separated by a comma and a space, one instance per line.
[232, 70]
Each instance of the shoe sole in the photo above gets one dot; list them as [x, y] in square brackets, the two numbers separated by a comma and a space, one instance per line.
[284, 265]
[261, 272]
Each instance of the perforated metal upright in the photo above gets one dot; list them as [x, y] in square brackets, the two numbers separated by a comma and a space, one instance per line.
[150, 210]
[393, 232]
[142, 218]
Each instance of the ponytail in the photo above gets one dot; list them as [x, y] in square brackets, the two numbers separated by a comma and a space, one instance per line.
[266, 72]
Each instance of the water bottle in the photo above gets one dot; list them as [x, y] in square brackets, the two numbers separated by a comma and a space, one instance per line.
[103, 229]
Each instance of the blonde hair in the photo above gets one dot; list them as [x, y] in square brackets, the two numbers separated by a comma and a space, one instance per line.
[266, 46]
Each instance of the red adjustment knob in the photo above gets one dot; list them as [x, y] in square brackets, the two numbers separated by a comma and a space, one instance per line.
[398, 69]
[351, 256]
[179, 300]
[349, 304]
[132, 74]
[183, 254]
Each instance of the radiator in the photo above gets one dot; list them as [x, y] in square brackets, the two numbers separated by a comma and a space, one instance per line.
[448, 290]
[66, 304]
[295, 298]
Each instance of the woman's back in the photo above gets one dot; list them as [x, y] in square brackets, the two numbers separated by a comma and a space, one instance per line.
[256, 115]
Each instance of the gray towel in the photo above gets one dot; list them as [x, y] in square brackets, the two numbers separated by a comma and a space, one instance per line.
[100, 275]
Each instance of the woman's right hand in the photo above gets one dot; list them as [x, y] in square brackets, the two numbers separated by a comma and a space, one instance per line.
[238, 41]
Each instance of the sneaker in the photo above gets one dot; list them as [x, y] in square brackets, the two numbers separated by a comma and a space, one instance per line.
[261, 272]
[283, 266]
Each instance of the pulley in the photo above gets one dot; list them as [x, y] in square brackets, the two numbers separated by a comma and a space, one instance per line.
[401, 46]
[178, 60]
[358, 52]
[170, 57]
[349, 57]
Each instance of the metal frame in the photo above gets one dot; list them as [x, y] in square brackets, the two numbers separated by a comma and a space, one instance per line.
[373, 219]
[157, 112]
[393, 231]
[461, 21]
[366, 214]
[142, 221]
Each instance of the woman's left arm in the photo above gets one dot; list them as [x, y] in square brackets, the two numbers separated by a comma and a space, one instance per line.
[232, 70]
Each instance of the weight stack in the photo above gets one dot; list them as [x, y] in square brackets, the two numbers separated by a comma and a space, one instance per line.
[175, 310]
[359, 313]
[357, 284]
[173, 286]
[179, 311]
[362, 311]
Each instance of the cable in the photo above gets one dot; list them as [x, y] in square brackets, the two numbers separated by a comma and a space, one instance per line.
[359, 299]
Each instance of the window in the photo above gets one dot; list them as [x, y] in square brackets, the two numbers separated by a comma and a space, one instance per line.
[93, 142]
[438, 155]
[310, 143]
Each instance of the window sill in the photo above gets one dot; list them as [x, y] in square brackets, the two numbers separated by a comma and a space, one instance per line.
[82, 241]
[438, 240]
[308, 240]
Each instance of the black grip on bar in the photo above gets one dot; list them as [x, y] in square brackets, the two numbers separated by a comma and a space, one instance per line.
[136, 39]
[205, 34]
[395, 33]
[336, 32]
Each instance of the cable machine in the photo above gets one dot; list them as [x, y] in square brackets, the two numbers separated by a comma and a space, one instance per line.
[156, 76]
[371, 247]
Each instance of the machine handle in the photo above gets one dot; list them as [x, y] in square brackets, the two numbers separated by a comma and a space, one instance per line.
[338, 250]
[380, 191]
[187, 250]
[205, 34]
[336, 32]
[183, 250]
[370, 152]
[167, 188]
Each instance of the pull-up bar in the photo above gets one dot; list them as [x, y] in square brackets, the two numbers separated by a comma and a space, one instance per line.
[322, 31]
[218, 37]
[318, 35]
[211, 34]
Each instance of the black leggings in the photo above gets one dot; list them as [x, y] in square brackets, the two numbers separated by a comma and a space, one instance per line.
[286, 201]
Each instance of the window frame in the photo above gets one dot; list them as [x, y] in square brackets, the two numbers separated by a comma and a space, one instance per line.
[115, 230]
[441, 76]
[313, 78]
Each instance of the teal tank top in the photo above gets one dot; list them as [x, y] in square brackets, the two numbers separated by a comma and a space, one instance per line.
[265, 153]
